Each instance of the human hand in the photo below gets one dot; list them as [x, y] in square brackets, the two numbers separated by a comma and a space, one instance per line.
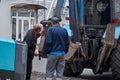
[48, 55]
[36, 53]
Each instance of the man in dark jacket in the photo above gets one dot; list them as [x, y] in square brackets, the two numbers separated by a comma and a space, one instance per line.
[31, 40]
[56, 46]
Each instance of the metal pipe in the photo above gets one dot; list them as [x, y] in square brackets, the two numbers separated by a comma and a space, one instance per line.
[50, 8]
[82, 12]
[73, 22]
[59, 8]
[44, 10]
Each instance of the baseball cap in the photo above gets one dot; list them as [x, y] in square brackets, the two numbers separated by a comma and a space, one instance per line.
[55, 19]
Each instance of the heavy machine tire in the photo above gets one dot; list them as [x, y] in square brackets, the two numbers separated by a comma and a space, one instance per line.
[69, 73]
[115, 63]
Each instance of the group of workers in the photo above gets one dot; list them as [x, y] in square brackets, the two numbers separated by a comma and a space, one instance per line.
[55, 46]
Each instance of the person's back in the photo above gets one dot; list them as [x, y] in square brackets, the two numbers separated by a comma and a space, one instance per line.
[59, 39]
[56, 45]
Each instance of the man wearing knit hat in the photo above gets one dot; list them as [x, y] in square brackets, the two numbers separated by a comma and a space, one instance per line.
[56, 46]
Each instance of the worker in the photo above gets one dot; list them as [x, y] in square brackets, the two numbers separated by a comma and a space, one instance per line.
[56, 46]
[31, 40]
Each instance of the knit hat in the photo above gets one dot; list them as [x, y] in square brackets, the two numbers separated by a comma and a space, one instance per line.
[55, 19]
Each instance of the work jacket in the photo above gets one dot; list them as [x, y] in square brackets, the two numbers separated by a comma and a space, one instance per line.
[57, 39]
[31, 40]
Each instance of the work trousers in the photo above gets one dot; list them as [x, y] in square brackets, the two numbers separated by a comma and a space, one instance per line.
[55, 63]
[29, 67]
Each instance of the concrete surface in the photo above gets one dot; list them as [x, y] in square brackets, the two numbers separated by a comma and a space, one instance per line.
[40, 65]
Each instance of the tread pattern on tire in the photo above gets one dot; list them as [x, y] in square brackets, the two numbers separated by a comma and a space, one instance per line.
[115, 63]
[69, 73]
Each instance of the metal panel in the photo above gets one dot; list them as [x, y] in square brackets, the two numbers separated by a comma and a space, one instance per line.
[20, 61]
[105, 50]
[7, 54]
[13, 60]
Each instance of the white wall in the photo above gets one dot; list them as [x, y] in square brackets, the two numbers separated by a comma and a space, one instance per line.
[5, 20]
[5, 16]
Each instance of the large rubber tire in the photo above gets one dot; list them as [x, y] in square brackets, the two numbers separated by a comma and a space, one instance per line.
[115, 63]
[69, 73]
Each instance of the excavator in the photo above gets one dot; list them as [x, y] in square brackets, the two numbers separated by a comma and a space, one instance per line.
[95, 43]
